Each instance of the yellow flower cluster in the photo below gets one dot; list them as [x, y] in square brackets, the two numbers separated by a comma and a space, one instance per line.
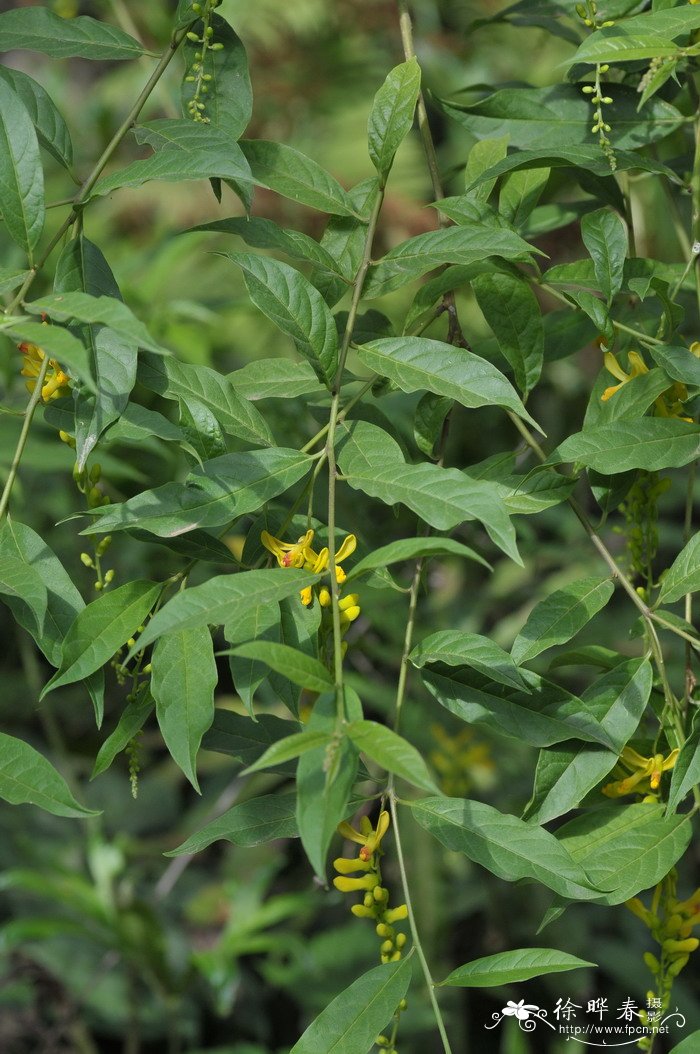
[460, 761]
[670, 922]
[56, 382]
[668, 404]
[640, 775]
[375, 903]
[299, 554]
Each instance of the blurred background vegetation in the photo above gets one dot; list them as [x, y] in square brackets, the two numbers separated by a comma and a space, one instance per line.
[105, 944]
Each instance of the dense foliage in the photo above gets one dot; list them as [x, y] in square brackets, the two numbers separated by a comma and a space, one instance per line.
[347, 548]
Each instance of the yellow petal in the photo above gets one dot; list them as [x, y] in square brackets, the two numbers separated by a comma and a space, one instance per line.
[347, 548]
[614, 367]
[637, 364]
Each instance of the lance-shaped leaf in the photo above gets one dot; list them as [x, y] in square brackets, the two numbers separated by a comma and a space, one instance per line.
[182, 682]
[176, 380]
[274, 379]
[296, 176]
[626, 849]
[214, 493]
[686, 772]
[50, 126]
[391, 115]
[26, 777]
[323, 802]
[683, 576]
[560, 616]
[295, 306]
[644, 37]
[242, 739]
[217, 600]
[455, 648]
[412, 549]
[21, 581]
[102, 310]
[101, 628]
[505, 845]
[372, 462]
[678, 362]
[249, 823]
[587, 156]
[548, 714]
[11, 279]
[351, 1022]
[229, 100]
[131, 721]
[265, 234]
[38, 29]
[449, 245]
[392, 752]
[297, 667]
[21, 174]
[290, 747]
[419, 364]
[513, 967]
[184, 149]
[57, 343]
[82, 268]
[605, 237]
[651, 443]
[513, 313]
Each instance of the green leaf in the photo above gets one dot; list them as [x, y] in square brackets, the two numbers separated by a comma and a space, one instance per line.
[560, 116]
[183, 150]
[103, 310]
[625, 849]
[100, 629]
[322, 803]
[391, 115]
[564, 776]
[513, 967]
[26, 777]
[678, 362]
[688, 1045]
[131, 721]
[57, 343]
[201, 430]
[51, 129]
[560, 616]
[291, 747]
[412, 549]
[645, 37]
[274, 379]
[20, 580]
[217, 600]
[392, 752]
[548, 714]
[292, 174]
[21, 174]
[429, 422]
[352, 1021]
[261, 622]
[265, 234]
[605, 236]
[372, 462]
[520, 193]
[38, 29]
[686, 772]
[10, 279]
[214, 493]
[249, 823]
[82, 267]
[651, 443]
[244, 739]
[297, 667]
[505, 845]
[483, 155]
[176, 380]
[584, 156]
[450, 245]
[513, 313]
[183, 681]
[295, 306]
[683, 576]
[455, 648]
[418, 364]
[229, 100]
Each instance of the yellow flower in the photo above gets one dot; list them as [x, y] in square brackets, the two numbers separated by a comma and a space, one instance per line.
[636, 366]
[300, 554]
[645, 773]
[368, 837]
[288, 554]
[56, 382]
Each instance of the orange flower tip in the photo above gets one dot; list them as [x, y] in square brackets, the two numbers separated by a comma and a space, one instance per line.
[365, 853]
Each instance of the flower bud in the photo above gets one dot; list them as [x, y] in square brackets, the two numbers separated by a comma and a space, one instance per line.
[109, 576]
[347, 866]
[396, 914]
[86, 559]
[353, 885]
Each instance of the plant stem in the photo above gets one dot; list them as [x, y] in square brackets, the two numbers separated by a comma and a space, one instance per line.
[77, 202]
[408, 640]
[690, 681]
[330, 450]
[414, 929]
